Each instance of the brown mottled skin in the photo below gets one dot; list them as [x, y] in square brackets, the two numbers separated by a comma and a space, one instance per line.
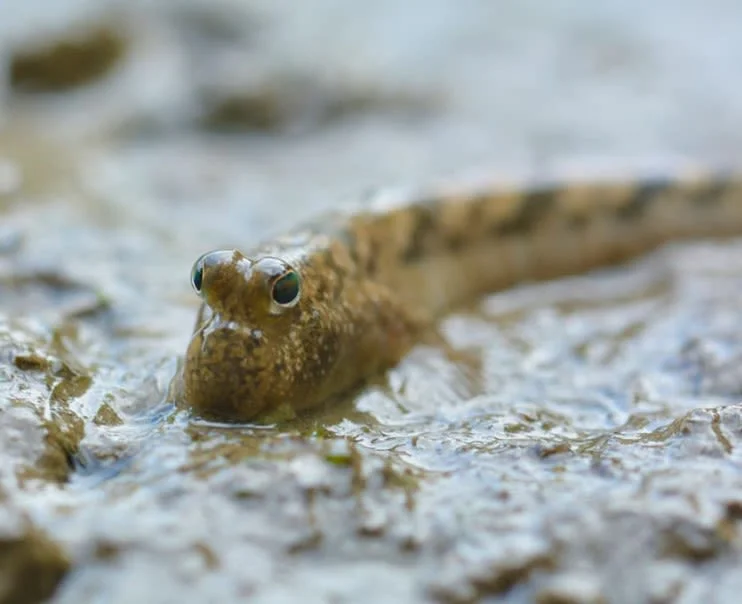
[372, 281]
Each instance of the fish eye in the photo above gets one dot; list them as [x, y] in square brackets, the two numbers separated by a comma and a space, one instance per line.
[197, 275]
[286, 289]
[206, 263]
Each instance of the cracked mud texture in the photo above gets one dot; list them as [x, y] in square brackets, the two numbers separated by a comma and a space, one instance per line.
[599, 463]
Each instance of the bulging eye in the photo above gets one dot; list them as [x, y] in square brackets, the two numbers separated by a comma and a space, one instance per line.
[197, 275]
[286, 289]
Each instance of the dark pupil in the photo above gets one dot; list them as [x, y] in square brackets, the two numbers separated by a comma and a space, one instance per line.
[286, 289]
[198, 276]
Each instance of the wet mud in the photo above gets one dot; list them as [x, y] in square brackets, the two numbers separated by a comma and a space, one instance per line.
[595, 459]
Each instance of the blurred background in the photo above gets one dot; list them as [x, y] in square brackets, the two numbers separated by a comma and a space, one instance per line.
[176, 126]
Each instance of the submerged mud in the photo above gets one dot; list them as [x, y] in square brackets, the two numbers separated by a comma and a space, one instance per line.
[594, 455]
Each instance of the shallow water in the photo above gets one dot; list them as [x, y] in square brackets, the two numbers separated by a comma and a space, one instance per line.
[595, 458]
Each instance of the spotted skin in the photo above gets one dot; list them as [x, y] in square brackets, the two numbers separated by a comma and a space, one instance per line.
[373, 281]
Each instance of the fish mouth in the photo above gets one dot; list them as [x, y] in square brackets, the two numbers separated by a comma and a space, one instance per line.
[215, 326]
[222, 375]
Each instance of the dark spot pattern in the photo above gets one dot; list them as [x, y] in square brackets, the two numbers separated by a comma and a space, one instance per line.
[478, 211]
[456, 241]
[373, 256]
[352, 244]
[533, 207]
[425, 223]
[579, 222]
[713, 192]
[644, 196]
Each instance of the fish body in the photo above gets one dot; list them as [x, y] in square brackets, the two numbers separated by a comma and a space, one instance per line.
[368, 283]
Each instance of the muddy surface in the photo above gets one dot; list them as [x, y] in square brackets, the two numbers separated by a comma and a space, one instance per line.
[598, 458]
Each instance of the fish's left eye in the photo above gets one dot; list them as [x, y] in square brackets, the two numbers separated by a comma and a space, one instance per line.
[286, 289]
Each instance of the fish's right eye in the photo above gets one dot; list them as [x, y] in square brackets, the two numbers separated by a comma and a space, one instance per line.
[197, 275]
